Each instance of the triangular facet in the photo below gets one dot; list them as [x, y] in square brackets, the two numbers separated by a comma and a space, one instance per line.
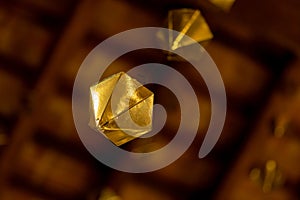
[100, 95]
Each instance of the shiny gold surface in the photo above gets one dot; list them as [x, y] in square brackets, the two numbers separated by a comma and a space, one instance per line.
[43, 44]
[188, 22]
[133, 109]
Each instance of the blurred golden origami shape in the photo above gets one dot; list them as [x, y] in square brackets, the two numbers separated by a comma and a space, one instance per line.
[223, 4]
[121, 108]
[188, 22]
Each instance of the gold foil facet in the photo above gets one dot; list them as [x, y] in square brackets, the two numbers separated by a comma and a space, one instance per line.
[223, 4]
[126, 116]
[188, 22]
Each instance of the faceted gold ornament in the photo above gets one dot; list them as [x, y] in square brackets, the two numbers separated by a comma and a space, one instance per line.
[188, 22]
[121, 108]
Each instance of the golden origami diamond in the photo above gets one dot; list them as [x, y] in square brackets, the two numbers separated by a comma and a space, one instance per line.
[121, 108]
[188, 22]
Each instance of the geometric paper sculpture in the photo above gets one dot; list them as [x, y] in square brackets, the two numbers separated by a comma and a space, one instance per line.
[121, 108]
[188, 22]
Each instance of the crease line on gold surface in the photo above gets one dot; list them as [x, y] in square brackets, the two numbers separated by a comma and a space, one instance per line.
[112, 119]
[185, 29]
[121, 73]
